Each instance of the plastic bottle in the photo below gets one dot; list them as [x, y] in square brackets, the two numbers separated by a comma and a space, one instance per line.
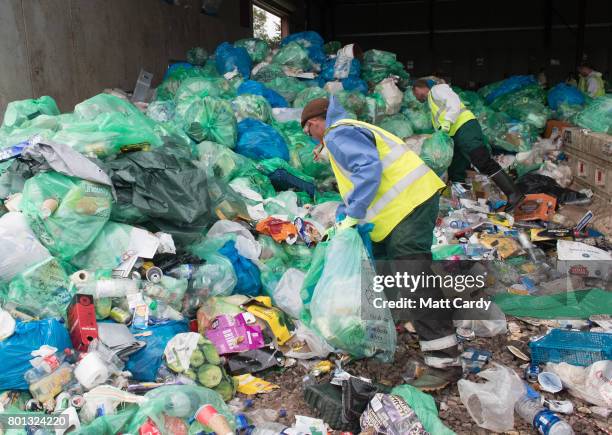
[543, 420]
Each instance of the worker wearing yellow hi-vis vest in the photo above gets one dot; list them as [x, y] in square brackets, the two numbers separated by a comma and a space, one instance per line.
[383, 183]
[449, 114]
[590, 82]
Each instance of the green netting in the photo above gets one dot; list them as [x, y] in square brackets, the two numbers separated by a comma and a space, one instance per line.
[398, 124]
[197, 56]
[288, 87]
[201, 87]
[307, 95]
[597, 115]
[293, 55]
[258, 49]
[437, 152]
[18, 112]
[252, 106]
[65, 213]
[269, 72]
[580, 304]
[211, 119]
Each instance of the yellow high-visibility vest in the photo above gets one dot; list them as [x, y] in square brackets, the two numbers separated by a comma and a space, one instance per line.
[583, 85]
[406, 181]
[438, 115]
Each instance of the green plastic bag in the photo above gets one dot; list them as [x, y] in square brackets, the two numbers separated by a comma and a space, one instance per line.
[258, 49]
[597, 115]
[65, 213]
[332, 47]
[378, 65]
[197, 56]
[18, 112]
[109, 424]
[221, 163]
[269, 72]
[201, 87]
[313, 274]
[437, 152]
[98, 255]
[425, 408]
[293, 55]
[353, 101]
[502, 132]
[288, 87]
[375, 108]
[471, 99]
[420, 119]
[41, 290]
[300, 256]
[270, 165]
[305, 96]
[212, 119]
[252, 106]
[256, 182]
[339, 316]
[301, 147]
[398, 124]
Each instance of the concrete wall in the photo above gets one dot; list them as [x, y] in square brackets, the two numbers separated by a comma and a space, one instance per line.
[476, 40]
[73, 49]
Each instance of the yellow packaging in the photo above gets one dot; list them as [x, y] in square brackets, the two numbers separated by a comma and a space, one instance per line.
[249, 384]
[506, 246]
[261, 307]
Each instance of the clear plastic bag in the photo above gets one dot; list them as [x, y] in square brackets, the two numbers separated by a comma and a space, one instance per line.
[19, 247]
[336, 315]
[491, 405]
[286, 295]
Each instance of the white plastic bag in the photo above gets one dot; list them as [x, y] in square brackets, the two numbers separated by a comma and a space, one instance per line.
[495, 325]
[392, 95]
[287, 292]
[491, 405]
[19, 247]
[246, 245]
[317, 346]
[590, 383]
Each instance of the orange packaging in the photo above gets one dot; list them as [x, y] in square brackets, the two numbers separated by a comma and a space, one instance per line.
[536, 206]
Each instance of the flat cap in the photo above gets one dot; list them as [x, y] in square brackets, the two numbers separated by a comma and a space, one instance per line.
[317, 107]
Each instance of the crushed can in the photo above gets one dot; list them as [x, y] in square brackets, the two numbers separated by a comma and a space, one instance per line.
[531, 373]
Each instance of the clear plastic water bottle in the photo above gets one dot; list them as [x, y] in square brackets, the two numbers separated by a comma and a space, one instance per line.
[543, 420]
[269, 428]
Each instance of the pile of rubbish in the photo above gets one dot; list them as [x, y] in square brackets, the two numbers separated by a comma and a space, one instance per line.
[159, 258]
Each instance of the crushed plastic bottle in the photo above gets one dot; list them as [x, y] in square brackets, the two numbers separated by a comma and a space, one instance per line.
[543, 420]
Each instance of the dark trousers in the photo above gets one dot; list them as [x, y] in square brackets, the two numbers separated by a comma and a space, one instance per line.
[410, 241]
[470, 149]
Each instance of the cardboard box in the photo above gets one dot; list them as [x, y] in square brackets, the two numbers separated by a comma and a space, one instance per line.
[576, 258]
[554, 126]
[81, 322]
[590, 157]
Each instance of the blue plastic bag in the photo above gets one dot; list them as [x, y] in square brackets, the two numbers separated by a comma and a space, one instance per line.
[145, 363]
[512, 84]
[563, 93]
[328, 69]
[248, 274]
[29, 336]
[228, 57]
[311, 41]
[256, 88]
[258, 141]
[354, 84]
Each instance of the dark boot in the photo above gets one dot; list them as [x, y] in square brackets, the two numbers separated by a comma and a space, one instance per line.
[506, 185]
